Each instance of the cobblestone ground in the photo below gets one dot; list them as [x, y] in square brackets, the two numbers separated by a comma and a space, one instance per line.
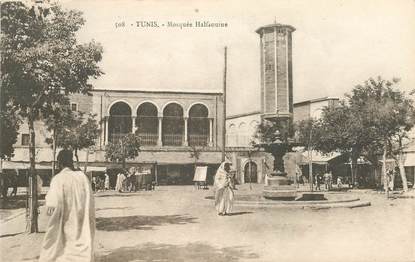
[178, 224]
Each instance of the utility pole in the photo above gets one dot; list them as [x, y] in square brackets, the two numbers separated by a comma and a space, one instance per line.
[310, 160]
[224, 107]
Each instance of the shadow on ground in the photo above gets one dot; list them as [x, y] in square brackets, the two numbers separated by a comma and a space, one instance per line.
[11, 235]
[112, 208]
[140, 222]
[176, 253]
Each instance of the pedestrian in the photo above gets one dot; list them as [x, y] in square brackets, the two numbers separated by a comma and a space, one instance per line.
[330, 180]
[4, 185]
[107, 181]
[326, 181]
[120, 182]
[13, 182]
[70, 205]
[339, 182]
[223, 190]
[318, 182]
[94, 184]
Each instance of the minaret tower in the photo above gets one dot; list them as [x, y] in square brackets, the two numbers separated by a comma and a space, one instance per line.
[276, 72]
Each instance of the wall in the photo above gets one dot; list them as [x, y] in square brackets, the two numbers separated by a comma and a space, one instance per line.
[240, 130]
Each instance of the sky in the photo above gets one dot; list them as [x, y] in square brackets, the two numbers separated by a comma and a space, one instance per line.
[337, 45]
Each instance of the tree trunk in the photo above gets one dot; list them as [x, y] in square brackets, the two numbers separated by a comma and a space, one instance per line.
[402, 171]
[354, 170]
[86, 160]
[76, 157]
[310, 169]
[385, 176]
[54, 153]
[32, 218]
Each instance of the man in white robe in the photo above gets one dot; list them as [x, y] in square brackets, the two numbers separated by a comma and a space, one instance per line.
[70, 205]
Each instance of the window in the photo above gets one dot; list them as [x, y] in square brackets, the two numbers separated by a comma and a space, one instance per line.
[25, 139]
[74, 107]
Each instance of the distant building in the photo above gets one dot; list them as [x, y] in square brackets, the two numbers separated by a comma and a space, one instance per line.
[171, 124]
[313, 108]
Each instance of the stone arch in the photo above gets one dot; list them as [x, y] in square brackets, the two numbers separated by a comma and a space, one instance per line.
[171, 102]
[173, 124]
[147, 123]
[115, 102]
[196, 103]
[151, 102]
[198, 125]
[250, 171]
[119, 120]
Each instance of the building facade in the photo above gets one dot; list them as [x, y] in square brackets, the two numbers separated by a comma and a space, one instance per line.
[172, 125]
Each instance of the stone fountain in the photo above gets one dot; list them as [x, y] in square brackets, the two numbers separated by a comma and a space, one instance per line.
[279, 186]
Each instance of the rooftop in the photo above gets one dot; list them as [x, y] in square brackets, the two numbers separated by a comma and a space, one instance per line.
[158, 91]
[292, 29]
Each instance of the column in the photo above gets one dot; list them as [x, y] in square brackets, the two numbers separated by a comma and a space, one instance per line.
[106, 120]
[186, 143]
[134, 127]
[159, 141]
[210, 132]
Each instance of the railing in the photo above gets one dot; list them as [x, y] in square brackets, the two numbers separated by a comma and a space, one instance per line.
[198, 140]
[148, 139]
[117, 136]
[173, 139]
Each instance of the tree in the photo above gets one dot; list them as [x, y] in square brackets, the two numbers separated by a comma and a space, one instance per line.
[74, 131]
[9, 126]
[60, 119]
[389, 114]
[122, 149]
[342, 129]
[307, 132]
[41, 63]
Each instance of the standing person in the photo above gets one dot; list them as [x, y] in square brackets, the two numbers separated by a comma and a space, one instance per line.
[13, 182]
[70, 205]
[330, 180]
[318, 182]
[107, 181]
[339, 182]
[326, 181]
[118, 185]
[223, 190]
[94, 184]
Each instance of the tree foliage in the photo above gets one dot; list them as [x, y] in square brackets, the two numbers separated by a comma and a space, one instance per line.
[9, 126]
[41, 60]
[41, 64]
[73, 130]
[374, 117]
[127, 147]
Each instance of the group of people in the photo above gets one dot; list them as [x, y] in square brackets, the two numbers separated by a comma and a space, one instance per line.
[326, 179]
[101, 183]
[7, 181]
[133, 180]
[70, 204]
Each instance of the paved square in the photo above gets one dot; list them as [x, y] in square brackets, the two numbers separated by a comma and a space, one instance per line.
[179, 224]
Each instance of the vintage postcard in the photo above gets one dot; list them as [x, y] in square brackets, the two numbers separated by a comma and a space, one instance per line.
[144, 130]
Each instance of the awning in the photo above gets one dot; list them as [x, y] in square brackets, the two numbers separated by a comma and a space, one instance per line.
[318, 158]
[22, 165]
[96, 168]
[179, 158]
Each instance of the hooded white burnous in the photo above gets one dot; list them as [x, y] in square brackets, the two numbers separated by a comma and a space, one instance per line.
[223, 191]
[71, 228]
